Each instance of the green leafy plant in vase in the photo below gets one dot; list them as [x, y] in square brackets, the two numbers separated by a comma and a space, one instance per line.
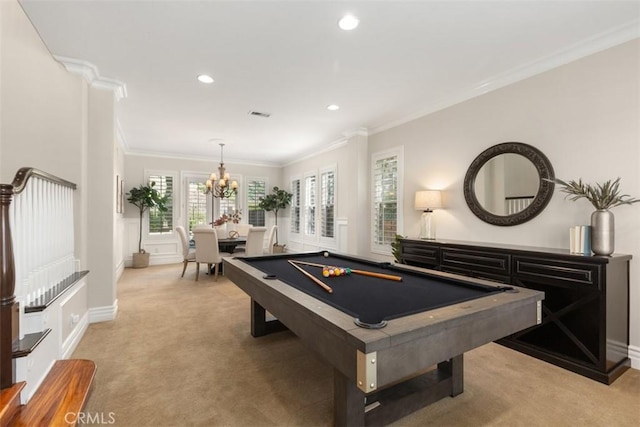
[145, 197]
[603, 197]
[278, 199]
[396, 249]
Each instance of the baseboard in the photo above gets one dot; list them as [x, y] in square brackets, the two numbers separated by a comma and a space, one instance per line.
[103, 314]
[634, 355]
[157, 260]
[120, 269]
[72, 341]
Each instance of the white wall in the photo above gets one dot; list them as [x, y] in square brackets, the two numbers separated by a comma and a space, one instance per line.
[53, 120]
[584, 116]
[41, 120]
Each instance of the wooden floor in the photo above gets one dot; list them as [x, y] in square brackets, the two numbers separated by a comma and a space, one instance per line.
[60, 398]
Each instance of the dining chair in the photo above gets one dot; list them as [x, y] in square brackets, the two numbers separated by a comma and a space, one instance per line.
[272, 239]
[243, 229]
[255, 241]
[207, 250]
[188, 254]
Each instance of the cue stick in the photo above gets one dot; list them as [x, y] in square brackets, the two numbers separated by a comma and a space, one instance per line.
[361, 272]
[310, 276]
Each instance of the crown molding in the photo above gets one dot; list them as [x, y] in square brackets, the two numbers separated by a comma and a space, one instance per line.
[590, 46]
[200, 158]
[361, 131]
[90, 73]
[313, 153]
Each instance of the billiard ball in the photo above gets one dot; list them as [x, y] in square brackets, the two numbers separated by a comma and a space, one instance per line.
[326, 254]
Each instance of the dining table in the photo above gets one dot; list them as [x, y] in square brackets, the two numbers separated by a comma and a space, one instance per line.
[229, 244]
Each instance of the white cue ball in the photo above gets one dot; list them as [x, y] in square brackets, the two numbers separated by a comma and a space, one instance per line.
[326, 254]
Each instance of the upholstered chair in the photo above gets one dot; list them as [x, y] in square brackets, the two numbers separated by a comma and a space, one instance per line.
[207, 250]
[272, 240]
[255, 241]
[188, 254]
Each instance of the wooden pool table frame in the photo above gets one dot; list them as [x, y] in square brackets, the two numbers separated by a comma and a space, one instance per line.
[375, 365]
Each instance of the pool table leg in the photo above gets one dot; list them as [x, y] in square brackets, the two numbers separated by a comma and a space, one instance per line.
[348, 401]
[454, 367]
[260, 326]
[397, 401]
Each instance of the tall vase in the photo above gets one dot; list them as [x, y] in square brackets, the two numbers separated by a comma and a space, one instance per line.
[221, 230]
[602, 232]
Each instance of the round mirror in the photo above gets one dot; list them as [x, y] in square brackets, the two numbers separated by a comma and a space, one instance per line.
[507, 184]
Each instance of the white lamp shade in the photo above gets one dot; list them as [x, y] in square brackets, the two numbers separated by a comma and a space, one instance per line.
[428, 199]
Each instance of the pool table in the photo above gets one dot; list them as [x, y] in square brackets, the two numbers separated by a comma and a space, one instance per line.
[395, 346]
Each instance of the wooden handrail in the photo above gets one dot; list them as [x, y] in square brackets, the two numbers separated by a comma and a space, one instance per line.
[22, 177]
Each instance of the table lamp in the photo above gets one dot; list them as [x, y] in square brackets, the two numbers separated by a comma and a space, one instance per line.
[425, 201]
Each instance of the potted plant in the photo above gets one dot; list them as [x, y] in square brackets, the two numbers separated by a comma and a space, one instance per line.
[603, 197]
[145, 197]
[278, 199]
[396, 249]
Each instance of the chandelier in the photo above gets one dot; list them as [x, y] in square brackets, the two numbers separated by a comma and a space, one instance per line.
[218, 185]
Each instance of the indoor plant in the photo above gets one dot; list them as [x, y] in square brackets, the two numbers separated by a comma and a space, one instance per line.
[603, 197]
[396, 248]
[145, 197]
[278, 199]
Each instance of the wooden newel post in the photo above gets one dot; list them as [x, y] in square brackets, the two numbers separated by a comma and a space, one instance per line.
[7, 289]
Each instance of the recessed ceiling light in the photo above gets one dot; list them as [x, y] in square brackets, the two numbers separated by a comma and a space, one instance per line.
[348, 22]
[333, 107]
[205, 79]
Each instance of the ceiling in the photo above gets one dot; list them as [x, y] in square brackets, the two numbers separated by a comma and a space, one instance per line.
[289, 59]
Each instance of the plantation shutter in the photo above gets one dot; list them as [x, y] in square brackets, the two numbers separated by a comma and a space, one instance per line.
[295, 206]
[310, 205]
[162, 222]
[256, 189]
[385, 200]
[196, 205]
[327, 204]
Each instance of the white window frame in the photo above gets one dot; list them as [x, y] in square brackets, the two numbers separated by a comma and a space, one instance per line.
[193, 177]
[306, 236]
[203, 177]
[327, 241]
[267, 190]
[175, 201]
[292, 234]
[398, 152]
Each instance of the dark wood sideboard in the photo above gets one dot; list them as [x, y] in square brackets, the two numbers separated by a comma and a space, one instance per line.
[585, 323]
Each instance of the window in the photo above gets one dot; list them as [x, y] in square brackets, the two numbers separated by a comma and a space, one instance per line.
[256, 189]
[196, 203]
[327, 204]
[295, 206]
[162, 222]
[228, 205]
[310, 205]
[386, 204]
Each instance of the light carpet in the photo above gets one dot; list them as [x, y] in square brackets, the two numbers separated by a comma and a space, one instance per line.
[180, 354]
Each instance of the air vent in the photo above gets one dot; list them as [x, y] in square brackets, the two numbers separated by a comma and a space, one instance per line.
[259, 114]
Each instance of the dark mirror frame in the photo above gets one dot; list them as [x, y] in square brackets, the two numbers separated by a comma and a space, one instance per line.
[542, 198]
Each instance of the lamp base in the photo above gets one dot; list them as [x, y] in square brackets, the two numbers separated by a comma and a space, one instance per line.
[428, 225]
